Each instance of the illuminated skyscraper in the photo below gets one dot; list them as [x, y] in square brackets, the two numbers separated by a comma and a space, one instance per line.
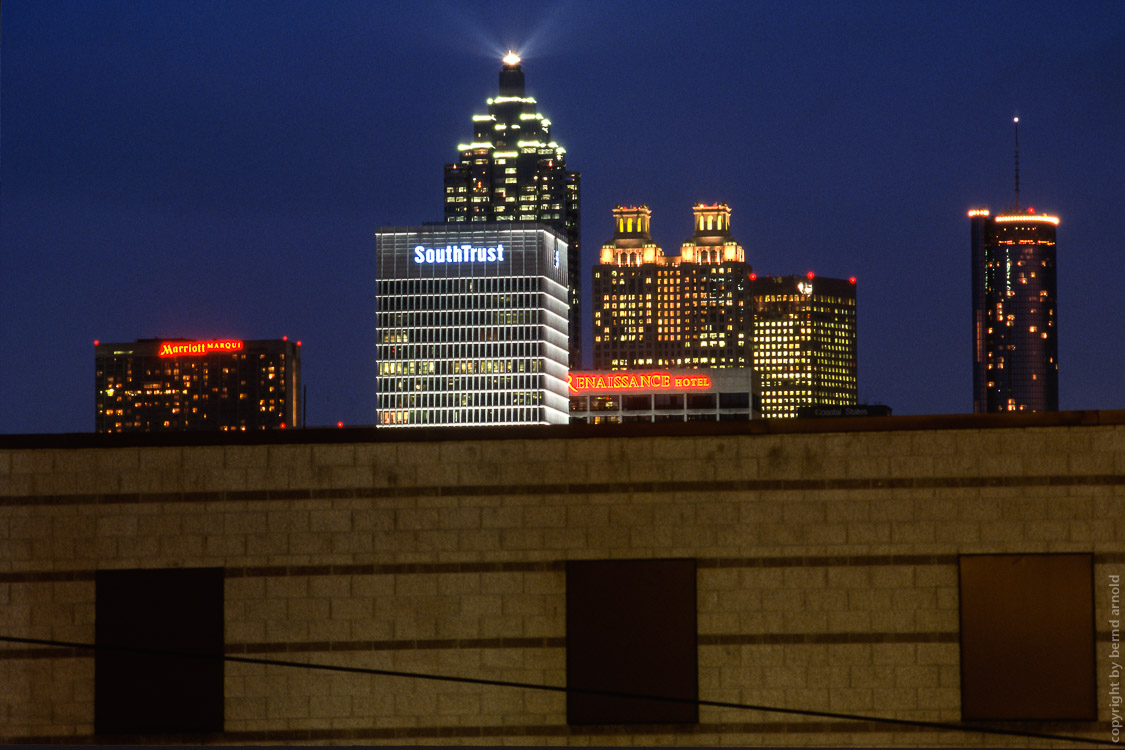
[1015, 323]
[471, 324]
[513, 171]
[654, 310]
[1015, 328]
[804, 342]
[164, 385]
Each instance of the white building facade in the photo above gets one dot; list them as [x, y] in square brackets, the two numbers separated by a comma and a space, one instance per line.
[471, 325]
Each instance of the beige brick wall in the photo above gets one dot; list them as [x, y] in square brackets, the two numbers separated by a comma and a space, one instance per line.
[827, 571]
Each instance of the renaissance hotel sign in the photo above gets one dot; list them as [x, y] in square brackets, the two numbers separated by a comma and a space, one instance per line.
[579, 383]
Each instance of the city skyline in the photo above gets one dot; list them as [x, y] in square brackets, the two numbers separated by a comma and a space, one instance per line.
[219, 171]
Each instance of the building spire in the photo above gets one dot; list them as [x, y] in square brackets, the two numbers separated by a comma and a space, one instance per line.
[511, 76]
[1016, 123]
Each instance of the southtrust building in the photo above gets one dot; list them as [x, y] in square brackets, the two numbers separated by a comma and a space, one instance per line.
[471, 324]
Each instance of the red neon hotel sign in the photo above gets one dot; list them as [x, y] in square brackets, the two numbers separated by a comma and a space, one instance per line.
[197, 348]
[635, 381]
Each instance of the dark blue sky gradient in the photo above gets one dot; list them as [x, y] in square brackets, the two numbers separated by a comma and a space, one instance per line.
[218, 169]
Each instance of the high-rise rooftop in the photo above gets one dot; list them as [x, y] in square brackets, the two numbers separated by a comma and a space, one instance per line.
[512, 170]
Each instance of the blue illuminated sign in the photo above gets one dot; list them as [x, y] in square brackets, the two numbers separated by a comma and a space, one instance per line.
[458, 254]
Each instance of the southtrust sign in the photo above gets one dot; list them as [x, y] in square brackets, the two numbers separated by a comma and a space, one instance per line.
[458, 254]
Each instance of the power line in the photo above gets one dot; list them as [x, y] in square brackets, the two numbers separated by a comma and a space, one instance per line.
[913, 723]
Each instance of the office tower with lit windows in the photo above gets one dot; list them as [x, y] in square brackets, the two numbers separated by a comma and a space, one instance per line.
[804, 342]
[687, 311]
[165, 385]
[471, 324]
[513, 171]
[1015, 324]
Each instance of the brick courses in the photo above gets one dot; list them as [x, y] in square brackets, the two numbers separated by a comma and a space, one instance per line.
[827, 567]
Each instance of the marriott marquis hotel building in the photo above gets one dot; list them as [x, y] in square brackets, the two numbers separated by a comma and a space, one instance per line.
[472, 324]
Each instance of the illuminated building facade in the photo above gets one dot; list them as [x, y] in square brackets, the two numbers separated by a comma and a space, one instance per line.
[701, 395]
[162, 385]
[513, 171]
[804, 342]
[1015, 324]
[471, 324]
[687, 311]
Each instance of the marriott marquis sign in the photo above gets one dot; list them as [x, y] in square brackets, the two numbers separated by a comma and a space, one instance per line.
[458, 254]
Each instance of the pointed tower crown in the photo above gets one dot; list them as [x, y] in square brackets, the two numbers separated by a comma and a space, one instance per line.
[511, 76]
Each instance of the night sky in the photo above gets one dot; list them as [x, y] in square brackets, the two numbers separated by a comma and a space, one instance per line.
[218, 169]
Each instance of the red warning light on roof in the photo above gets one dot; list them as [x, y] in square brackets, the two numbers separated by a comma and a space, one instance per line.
[339, 424]
[753, 277]
[95, 342]
[284, 338]
[810, 275]
[298, 343]
[851, 279]
[283, 425]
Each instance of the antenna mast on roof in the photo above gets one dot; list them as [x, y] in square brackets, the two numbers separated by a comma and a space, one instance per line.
[1016, 122]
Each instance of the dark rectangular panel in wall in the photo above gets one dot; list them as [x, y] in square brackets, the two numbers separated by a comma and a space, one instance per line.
[1027, 637]
[177, 610]
[631, 628]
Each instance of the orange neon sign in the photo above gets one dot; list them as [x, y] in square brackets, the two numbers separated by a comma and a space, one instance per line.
[197, 348]
[635, 381]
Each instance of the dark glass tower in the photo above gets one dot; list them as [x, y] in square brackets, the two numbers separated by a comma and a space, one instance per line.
[1015, 324]
[513, 171]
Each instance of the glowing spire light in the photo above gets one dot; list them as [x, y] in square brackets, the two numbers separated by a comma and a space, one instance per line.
[511, 58]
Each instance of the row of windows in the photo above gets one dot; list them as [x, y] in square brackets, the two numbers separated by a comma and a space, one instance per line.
[661, 401]
[462, 335]
[690, 362]
[458, 285]
[525, 354]
[502, 391]
[439, 328]
[463, 303]
[621, 418]
[806, 300]
[465, 417]
[682, 274]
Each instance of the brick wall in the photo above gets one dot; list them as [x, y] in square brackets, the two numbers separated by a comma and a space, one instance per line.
[827, 568]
